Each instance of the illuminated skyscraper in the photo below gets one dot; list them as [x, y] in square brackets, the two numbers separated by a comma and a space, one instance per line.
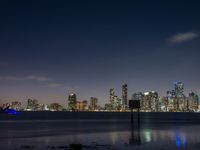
[151, 102]
[112, 95]
[16, 105]
[32, 104]
[180, 100]
[164, 104]
[137, 96]
[193, 102]
[72, 101]
[117, 104]
[82, 105]
[93, 103]
[172, 101]
[155, 101]
[124, 95]
[179, 89]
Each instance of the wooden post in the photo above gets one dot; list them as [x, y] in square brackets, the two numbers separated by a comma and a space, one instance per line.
[138, 116]
[132, 116]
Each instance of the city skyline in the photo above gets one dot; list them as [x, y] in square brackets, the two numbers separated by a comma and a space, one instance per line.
[99, 74]
[48, 48]
[175, 100]
[113, 96]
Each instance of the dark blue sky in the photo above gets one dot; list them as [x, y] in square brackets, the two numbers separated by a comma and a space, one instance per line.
[49, 48]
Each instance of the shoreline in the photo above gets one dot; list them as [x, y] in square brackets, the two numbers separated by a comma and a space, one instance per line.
[123, 117]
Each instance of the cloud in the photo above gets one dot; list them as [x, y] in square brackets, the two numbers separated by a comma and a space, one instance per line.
[183, 37]
[53, 85]
[72, 88]
[38, 78]
[31, 77]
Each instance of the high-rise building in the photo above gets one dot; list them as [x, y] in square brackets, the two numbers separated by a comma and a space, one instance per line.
[117, 104]
[155, 101]
[151, 101]
[179, 89]
[16, 105]
[124, 95]
[171, 100]
[180, 100]
[55, 107]
[139, 96]
[112, 96]
[72, 101]
[108, 107]
[164, 104]
[93, 103]
[193, 102]
[32, 104]
[82, 105]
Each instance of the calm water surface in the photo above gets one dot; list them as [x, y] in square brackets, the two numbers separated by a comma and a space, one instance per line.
[118, 134]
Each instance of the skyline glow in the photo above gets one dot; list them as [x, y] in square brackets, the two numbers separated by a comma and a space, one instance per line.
[50, 49]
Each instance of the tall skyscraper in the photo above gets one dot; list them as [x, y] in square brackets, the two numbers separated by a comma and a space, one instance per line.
[171, 99]
[112, 95]
[179, 98]
[137, 96]
[124, 95]
[117, 104]
[179, 89]
[150, 102]
[72, 101]
[193, 102]
[93, 103]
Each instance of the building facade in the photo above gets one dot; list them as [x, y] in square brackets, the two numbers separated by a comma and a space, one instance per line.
[124, 95]
[82, 105]
[93, 103]
[72, 101]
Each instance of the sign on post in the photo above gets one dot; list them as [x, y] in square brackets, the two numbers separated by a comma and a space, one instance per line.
[134, 104]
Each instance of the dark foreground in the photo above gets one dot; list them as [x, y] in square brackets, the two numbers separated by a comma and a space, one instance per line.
[100, 130]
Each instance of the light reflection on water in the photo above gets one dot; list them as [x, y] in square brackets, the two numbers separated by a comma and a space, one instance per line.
[172, 137]
[181, 140]
[147, 135]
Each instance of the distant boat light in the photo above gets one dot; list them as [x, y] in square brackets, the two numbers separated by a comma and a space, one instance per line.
[11, 111]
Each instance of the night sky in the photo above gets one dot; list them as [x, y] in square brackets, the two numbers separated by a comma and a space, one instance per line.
[50, 48]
